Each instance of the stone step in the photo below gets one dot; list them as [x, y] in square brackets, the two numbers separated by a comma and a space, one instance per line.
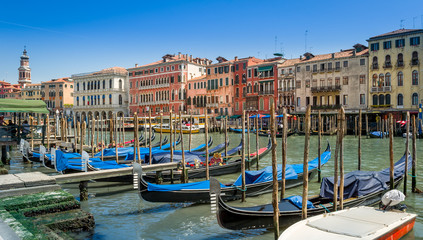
[73, 220]
[35, 200]
[50, 208]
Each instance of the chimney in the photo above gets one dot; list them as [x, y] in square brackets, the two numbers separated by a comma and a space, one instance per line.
[236, 58]
[333, 55]
[136, 64]
[190, 58]
[354, 52]
[301, 57]
[179, 55]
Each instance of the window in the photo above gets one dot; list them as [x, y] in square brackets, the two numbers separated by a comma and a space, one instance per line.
[414, 58]
[77, 87]
[387, 45]
[400, 79]
[337, 81]
[244, 66]
[414, 41]
[362, 62]
[388, 79]
[249, 73]
[221, 82]
[298, 101]
[375, 63]
[400, 62]
[337, 65]
[307, 101]
[415, 99]
[227, 81]
[388, 99]
[345, 63]
[362, 79]
[315, 68]
[307, 83]
[298, 69]
[381, 99]
[399, 43]
[308, 68]
[120, 99]
[345, 80]
[362, 99]
[400, 100]
[374, 47]
[345, 99]
[255, 72]
[415, 77]
[298, 84]
[388, 61]
[110, 99]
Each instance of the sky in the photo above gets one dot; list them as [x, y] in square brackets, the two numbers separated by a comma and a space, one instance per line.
[70, 37]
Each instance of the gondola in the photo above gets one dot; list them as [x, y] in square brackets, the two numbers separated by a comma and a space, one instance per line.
[200, 147]
[361, 189]
[278, 134]
[147, 141]
[231, 166]
[312, 132]
[237, 130]
[257, 183]
[174, 144]
[164, 141]
[378, 134]
[214, 150]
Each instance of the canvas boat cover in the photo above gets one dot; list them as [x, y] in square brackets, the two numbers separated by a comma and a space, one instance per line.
[379, 133]
[64, 162]
[359, 183]
[128, 152]
[234, 150]
[291, 171]
[262, 176]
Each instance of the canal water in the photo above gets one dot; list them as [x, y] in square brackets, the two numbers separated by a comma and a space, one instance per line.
[120, 213]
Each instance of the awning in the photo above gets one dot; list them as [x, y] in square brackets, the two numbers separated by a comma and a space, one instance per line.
[235, 116]
[258, 115]
[17, 105]
[220, 117]
[265, 68]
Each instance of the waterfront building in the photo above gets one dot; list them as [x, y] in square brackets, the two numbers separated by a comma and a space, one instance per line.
[220, 87]
[57, 93]
[161, 85]
[286, 84]
[9, 91]
[262, 84]
[31, 92]
[103, 92]
[395, 71]
[197, 95]
[240, 82]
[328, 81]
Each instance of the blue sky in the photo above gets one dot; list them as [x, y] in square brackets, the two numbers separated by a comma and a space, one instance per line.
[69, 37]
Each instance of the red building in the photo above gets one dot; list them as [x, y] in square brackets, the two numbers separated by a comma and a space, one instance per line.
[262, 85]
[162, 85]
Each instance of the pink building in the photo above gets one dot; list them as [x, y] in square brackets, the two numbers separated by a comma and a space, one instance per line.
[197, 95]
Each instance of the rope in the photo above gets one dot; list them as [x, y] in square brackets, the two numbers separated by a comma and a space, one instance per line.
[240, 188]
[327, 210]
[412, 175]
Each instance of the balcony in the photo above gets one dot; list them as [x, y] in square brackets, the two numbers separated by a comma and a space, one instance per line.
[330, 69]
[287, 89]
[325, 107]
[106, 106]
[164, 85]
[212, 105]
[387, 65]
[400, 64]
[326, 88]
[322, 70]
[268, 92]
[414, 62]
[375, 66]
[381, 89]
[315, 71]
[337, 69]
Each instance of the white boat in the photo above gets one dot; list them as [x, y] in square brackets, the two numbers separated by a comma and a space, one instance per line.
[362, 223]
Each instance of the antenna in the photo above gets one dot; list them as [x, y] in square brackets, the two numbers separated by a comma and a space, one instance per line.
[402, 23]
[276, 42]
[305, 41]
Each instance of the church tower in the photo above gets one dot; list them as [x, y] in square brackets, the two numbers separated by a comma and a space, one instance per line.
[24, 70]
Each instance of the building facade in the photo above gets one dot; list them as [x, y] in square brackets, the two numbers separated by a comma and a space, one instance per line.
[24, 70]
[104, 92]
[197, 95]
[162, 85]
[31, 92]
[286, 84]
[329, 81]
[395, 71]
[57, 93]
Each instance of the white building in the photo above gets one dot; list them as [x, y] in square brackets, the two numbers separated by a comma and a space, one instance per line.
[104, 92]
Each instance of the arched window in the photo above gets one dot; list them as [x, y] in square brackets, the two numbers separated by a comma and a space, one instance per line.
[388, 79]
[400, 62]
[414, 58]
[381, 80]
[261, 104]
[415, 77]
[104, 84]
[415, 99]
[77, 101]
[374, 82]
[400, 100]
[83, 86]
[110, 98]
[381, 99]
[375, 98]
[83, 100]
[236, 79]
[173, 95]
[110, 83]
[388, 99]
[388, 61]
[400, 79]
[120, 99]
[374, 64]
[88, 85]
[77, 87]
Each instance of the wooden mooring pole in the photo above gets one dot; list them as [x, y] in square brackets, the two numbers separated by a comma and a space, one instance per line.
[149, 134]
[171, 143]
[391, 152]
[226, 137]
[184, 177]
[284, 150]
[414, 158]
[359, 139]
[243, 157]
[275, 194]
[335, 181]
[305, 163]
[206, 134]
[191, 122]
[407, 150]
[257, 142]
[248, 143]
[341, 159]
[319, 140]
[161, 128]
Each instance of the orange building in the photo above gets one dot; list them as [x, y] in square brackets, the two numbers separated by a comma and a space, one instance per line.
[57, 93]
[197, 95]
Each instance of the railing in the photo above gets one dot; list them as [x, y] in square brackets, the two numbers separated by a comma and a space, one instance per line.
[381, 106]
[100, 90]
[337, 68]
[212, 105]
[414, 62]
[266, 92]
[387, 65]
[381, 89]
[327, 107]
[287, 89]
[326, 88]
[400, 64]
[154, 103]
[163, 85]
[98, 106]
[375, 66]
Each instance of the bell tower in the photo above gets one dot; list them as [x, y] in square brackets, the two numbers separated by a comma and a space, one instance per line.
[24, 70]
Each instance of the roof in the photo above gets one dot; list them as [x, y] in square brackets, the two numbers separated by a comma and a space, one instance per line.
[106, 71]
[59, 80]
[395, 33]
[17, 105]
[168, 58]
[289, 62]
[342, 54]
[203, 77]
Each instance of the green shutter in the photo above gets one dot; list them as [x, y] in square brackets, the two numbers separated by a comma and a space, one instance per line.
[265, 68]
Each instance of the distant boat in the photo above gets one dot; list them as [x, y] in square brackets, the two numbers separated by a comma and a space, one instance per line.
[185, 129]
[362, 223]
[378, 134]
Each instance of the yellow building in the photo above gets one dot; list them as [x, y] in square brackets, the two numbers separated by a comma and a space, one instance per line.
[31, 92]
[395, 70]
